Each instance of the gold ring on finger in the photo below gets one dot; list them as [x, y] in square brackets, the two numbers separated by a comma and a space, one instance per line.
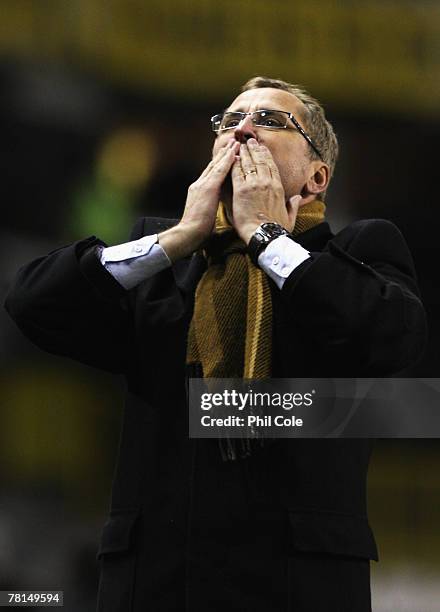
[250, 172]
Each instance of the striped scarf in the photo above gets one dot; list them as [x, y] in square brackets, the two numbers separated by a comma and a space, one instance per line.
[230, 333]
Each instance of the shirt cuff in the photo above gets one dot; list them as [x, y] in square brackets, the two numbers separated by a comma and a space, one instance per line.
[133, 262]
[281, 257]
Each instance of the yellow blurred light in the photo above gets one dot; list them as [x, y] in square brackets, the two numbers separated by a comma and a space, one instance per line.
[127, 157]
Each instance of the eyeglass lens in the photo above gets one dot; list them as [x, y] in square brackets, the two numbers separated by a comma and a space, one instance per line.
[263, 118]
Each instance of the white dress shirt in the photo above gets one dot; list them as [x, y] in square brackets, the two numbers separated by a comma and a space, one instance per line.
[132, 262]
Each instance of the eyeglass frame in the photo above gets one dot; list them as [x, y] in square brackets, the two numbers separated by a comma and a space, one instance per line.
[270, 110]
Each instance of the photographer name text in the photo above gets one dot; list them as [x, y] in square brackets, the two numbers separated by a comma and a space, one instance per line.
[251, 421]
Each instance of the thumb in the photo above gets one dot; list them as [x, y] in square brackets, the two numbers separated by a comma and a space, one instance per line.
[295, 201]
[292, 209]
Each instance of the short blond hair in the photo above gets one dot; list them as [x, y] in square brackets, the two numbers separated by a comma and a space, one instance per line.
[317, 126]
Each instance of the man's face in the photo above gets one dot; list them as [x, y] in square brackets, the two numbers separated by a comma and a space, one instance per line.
[288, 147]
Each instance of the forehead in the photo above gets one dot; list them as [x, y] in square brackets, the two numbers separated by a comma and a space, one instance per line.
[267, 97]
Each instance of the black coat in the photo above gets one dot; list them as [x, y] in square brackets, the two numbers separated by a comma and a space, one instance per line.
[285, 530]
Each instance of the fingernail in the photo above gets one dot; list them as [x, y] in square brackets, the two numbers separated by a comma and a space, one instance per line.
[252, 141]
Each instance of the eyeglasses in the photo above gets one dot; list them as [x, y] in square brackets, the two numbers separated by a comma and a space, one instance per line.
[268, 119]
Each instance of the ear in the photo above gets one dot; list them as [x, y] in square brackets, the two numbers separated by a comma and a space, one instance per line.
[319, 178]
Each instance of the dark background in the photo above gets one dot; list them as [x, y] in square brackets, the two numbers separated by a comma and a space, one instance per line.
[104, 116]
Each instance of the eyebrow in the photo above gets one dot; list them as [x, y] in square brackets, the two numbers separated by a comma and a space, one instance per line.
[241, 110]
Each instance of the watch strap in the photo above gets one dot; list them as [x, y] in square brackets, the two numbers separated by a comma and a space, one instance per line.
[264, 235]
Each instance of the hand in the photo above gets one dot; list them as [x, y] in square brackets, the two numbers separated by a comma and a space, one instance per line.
[201, 206]
[258, 194]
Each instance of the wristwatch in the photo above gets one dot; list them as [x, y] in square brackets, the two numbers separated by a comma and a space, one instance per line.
[264, 234]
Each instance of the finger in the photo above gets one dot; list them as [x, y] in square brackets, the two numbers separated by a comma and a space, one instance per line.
[222, 166]
[247, 163]
[258, 154]
[237, 172]
[265, 156]
[272, 165]
[219, 156]
[218, 170]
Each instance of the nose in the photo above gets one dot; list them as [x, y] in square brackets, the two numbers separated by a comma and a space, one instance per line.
[245, 130]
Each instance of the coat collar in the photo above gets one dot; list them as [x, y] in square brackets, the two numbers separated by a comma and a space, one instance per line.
[315, 238]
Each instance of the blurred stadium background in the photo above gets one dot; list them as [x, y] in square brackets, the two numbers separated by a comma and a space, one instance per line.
[104, 112]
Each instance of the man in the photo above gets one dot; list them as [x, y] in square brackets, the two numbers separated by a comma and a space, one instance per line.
[256, 286]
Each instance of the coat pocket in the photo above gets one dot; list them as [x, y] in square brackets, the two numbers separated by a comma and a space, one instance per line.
[332, 533]
[117, 557]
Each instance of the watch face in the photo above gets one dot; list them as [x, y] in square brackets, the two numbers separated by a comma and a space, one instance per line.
[267, 231]
[260, 234]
